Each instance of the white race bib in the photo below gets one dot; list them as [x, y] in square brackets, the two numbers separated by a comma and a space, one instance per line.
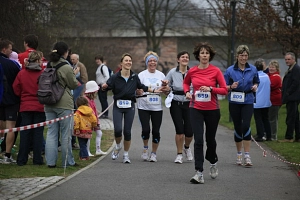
[202, 96]
[237, 96]
[124, 103]
[153, 99]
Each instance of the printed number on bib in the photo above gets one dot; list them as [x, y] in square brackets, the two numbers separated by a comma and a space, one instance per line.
[153, 99]
[124, 103]
[237, 96]
[202, 96]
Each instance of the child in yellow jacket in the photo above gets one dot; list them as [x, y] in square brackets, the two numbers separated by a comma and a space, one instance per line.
[84, 123]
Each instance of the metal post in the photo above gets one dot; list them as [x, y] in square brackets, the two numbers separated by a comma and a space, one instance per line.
[233, 5]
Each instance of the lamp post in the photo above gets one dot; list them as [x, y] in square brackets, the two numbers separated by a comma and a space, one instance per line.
[233, 5]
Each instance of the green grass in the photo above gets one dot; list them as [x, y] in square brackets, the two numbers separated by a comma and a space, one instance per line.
[30, 170]
[288, 151]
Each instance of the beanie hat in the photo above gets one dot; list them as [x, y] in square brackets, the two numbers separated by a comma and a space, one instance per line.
[91, 86]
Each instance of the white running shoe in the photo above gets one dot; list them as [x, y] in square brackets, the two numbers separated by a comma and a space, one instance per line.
[179, 159]
[153, 157]
[247, 162]
[115, 153]
[213, 171]
[145, 155]
[239, 159]
[198, 178]
[100, 153]
[126, 159]
[90, 155]
[188, 154]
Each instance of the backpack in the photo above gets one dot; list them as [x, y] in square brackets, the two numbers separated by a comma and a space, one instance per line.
[49, 90]
[110, 72]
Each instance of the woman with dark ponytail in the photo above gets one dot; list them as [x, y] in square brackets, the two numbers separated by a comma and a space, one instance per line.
[62, 108]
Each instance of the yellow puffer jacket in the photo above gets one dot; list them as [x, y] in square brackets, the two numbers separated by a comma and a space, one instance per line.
[84, 122]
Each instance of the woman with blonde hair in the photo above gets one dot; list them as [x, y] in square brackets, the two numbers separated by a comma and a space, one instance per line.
[276, 85]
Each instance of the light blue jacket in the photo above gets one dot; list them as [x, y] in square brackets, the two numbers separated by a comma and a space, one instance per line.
[263, 91]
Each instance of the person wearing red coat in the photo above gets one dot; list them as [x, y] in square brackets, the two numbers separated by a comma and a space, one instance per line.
[25, 86]
[276, 85]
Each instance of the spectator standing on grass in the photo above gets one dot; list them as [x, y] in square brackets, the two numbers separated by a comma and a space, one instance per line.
[276, 100]
[179, 110]
[64, 107]
[10, 104]
[291, 97]
[242, 81]
[32, 112]
[207, 81]
[262, 104]
[84, 122]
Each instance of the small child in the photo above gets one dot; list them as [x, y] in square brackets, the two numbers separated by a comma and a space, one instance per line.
[91, 94]
[84, 123]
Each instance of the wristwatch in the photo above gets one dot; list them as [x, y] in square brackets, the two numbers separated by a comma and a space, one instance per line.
[211, 88]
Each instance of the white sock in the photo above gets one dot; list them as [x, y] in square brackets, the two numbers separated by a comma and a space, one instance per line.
[125, 153]
[88, 145]
[98, 139]
[118, 146]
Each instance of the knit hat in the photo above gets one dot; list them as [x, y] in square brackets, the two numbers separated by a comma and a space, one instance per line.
[91, 86]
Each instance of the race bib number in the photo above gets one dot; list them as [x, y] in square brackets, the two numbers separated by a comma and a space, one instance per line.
[202, 96]
[124, 103]
[153, 99]
[237, 96]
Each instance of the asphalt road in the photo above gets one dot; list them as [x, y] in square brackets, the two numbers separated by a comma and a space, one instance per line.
[269, 178]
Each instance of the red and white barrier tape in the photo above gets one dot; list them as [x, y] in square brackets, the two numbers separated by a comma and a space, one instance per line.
[44, 123]
[265, 153]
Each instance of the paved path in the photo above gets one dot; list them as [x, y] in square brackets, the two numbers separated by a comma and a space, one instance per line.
[269, 178]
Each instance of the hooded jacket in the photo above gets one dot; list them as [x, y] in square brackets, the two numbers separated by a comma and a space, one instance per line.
[26, 86]
[84, 122]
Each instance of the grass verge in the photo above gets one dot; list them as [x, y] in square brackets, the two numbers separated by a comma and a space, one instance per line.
[30, 170]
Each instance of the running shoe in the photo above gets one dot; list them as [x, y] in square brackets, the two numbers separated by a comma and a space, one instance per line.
[100, 153]
[239, 159]
[213, 171]
[126, 159]
[179, 159]
[115, 153]
[153, 157]
[145, 155]
[198, 178]
[188, 154]
[247, 162]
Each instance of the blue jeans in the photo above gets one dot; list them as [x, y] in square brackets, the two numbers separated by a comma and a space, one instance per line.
[65, 127]
[32, 137]
[76, 93]
[83, 151]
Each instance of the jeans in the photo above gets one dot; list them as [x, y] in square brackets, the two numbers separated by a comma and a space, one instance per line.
[83, 150]
[32, 137]
[65, 127]
[261, 116]
[211, 119]
[292, 120]
[103, 101]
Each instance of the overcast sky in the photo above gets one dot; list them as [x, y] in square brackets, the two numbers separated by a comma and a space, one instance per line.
[200, 3]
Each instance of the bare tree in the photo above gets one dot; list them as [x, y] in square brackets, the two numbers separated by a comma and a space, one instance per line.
[152, 17]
